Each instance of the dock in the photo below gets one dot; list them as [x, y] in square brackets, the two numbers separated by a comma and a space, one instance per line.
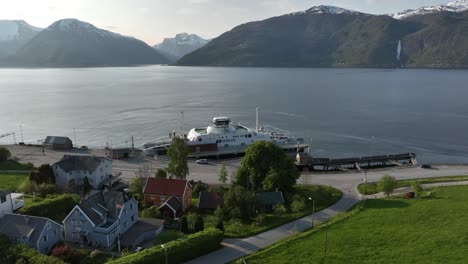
[238, 151]
[303, 160]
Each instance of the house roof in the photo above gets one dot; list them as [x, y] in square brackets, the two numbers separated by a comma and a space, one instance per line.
[4, 193]
[270, 198]
[56, 140]
[168, 187]
[173, 203]
[16, 225]
[71, 163]
[210, 200]
[143, 225]
[101, 203]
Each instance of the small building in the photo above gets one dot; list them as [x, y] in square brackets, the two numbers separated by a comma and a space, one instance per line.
[100, 218]
[166, 194]
[119, 153]
[70, 171]
[210, 200]
[39, 233]
[9, 202]
[267, 200]
[146, 229]
[58, 142]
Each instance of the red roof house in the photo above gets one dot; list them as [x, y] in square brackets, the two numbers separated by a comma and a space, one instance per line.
[160, 191]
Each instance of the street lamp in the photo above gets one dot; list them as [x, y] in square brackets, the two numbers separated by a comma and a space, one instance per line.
[313, 209]
[165, 251]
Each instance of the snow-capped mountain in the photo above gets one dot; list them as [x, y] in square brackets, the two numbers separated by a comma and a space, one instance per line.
[14, 34]
[74, 43]
[456, 6]
[323, 9]
[183, 43]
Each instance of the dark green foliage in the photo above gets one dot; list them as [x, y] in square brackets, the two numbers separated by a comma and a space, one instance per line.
[178, 153]
[239, 203]
[19, 253]
[220, 225]
[15, 165]
[5, 154]
[151, 212]
[160, 173]
[178, 251]
[86, 185]
[223, 174]
[197, 188]
[45, 189]
[199, 224]
[136, 185]
[298, 204]
[184, 226]
[387, 184]
[44, 174]
[54, 208]
[265, 166]
[329, 40]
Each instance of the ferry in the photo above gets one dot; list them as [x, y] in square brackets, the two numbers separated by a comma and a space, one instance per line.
[224, 138]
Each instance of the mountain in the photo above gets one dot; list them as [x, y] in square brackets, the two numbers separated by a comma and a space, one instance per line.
[456, 6]
[183, 43]
[73, 43]
[321, 36]
[14, 34]
[326, 36]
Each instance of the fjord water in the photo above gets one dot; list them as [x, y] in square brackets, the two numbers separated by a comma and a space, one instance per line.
[344, 112]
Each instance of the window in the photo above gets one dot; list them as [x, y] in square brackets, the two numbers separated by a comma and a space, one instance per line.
[82, 222]
[132, 218]
[54, 232]
[91, 180]
[44, 238]
[199, 139]
[3, 199]
[74, 222]
[125, 211]
[152, 196]
[75, 235]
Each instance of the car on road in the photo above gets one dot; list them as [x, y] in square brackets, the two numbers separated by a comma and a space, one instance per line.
[138, 249]
[202, 161]
[426, 166]
[83, 148]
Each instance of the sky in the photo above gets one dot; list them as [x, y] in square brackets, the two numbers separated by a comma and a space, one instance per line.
[153, 20]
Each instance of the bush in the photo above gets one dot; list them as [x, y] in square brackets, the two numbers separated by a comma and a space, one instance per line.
[178, 251]
[44, 174]
[28, 187]
[161, 173]
[240, 203]
[387, 184]
[197, 188]
[151, 212]
[199, 224]
[259, 219]
[280, 209]
[220, 225]
[56, 208]
[10, 253]
[298, 204]
[5, 154]
[184, 226]
[46, 189]
[417, 188]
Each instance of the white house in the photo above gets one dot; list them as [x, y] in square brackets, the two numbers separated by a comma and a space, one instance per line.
[6, 205]
[71, 170]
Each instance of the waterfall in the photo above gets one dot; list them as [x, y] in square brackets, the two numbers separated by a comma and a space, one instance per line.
[399, 51]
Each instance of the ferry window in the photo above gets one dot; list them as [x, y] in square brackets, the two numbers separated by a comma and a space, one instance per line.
[199, 139]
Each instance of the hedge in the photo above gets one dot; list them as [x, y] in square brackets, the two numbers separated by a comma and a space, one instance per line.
[10, 253]
[178, 251]
[56, 208]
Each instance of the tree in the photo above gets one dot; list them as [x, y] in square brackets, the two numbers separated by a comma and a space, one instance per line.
[184, 226]
[220, 225]
[44, 174]
[298, 204]
[265, 166]
[239, 203]
[160, 173]
[151, 212]
[387, 184]
[199, 224]
[136, 185]
[86, 185]
[197, 188]
[178, 153]
[223, 174]
[5, 154]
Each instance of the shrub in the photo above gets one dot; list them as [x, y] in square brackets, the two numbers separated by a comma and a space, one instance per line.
[387, 184]
[56, 208]
[199, 224]
[44, 174]
[184, 226]
[5, 154]
[298, 204]
[219, 224]
[417, 188]
[219, 213]
[280, 209]
[160, 173]
[151, 212]
[197, 188]
[259, 219]
[47, 189]
[28, 187]
[61, 251]
[178, 251]
[240, 203]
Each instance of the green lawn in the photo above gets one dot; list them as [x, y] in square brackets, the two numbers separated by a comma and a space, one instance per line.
[429, 230]
[167, 236]
[11, 181]
[14, 165]
[324, 197]
[371, 187]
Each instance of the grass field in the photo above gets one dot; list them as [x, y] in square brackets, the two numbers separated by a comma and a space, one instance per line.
[385, 231]
[371, 187]
[324, 197]
[11, 181]
[14, 165]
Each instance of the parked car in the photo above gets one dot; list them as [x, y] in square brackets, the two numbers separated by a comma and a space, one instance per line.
[83, 148]
[138, 249]
[202, 161]
[426, 166]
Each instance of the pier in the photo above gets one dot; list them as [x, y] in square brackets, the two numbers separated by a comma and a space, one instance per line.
[303, 160]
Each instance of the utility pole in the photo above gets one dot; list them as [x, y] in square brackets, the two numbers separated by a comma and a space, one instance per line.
[74, 133]
[21, 129]
[133, 146]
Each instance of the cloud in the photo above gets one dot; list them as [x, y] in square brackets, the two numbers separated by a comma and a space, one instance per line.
[198, 1]
[188, 11]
